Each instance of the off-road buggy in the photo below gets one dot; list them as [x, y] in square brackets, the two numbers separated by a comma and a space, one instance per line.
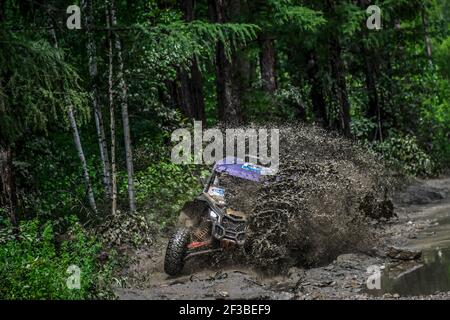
[207, 224]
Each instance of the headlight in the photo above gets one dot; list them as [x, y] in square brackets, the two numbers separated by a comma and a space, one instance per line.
[214, 216]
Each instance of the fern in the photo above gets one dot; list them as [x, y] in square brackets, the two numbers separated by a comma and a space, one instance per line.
[178, 42]
[286, 12]
[34, 74]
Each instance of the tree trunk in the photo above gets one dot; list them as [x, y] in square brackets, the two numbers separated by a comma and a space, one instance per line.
[426, 29]
[338, 75]
[78, 145]
[125, 118]
[98, 115]
[373, 111]
[227, 100]
[370, 72]
[189, 93]
[316, 93]
[2, 11]
[267, 60]
[188, 7]
[192, 99]
[340, 87]
[76, 139]
[8, 199]
[112, 116]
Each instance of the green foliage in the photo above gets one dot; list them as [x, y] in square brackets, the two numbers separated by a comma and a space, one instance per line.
[351, 18]
[361, 127]
[178, 42]
[274, 15]
[435, 125]
[405, 154]
[292, 102]
[287, 13]
[442, 56]
[158, 53]
[163, 188]
[50, 177]
[34, 266]
[32, 94]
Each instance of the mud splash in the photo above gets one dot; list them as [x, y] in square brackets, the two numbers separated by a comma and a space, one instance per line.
[318, 206]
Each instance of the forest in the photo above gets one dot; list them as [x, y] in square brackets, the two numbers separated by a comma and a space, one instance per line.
[86, 114]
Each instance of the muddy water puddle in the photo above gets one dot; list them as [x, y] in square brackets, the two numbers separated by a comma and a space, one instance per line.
[430, 274]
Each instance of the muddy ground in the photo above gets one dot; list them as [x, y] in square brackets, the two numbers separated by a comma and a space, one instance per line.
[422, 226]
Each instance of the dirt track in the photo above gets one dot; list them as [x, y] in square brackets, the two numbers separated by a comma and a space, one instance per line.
[419, 208]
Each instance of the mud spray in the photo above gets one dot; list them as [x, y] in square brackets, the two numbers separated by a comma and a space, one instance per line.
[319, 204]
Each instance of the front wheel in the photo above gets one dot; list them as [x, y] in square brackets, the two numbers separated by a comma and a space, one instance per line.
[176, 252]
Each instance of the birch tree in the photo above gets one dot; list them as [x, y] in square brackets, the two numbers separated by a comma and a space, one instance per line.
[79, 147]
[111, 114]
[77, 141]
[93, 73]
[123, 91]
[426, 31]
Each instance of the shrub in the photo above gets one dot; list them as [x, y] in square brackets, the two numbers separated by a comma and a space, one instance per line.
[405, 154]
[435, 126]
[162, 189]
[35, 265]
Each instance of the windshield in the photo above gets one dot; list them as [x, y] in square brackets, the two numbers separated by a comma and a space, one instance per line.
[238, 168]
